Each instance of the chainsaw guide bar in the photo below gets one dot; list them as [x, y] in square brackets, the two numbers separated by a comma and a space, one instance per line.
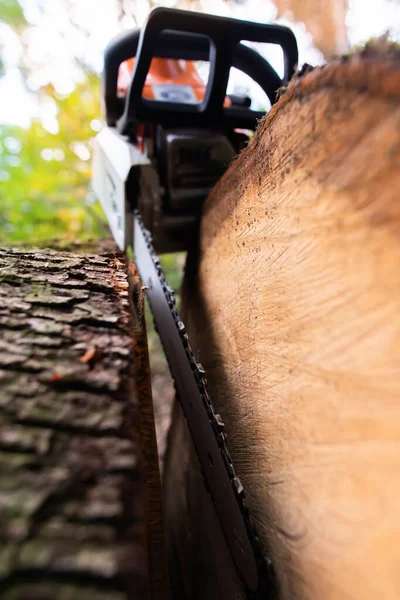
[206, 427]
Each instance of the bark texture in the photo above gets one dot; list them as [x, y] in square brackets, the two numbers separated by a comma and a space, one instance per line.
[72, 492]
[291, 303]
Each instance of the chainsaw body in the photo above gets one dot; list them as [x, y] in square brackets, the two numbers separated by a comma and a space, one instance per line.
[168, 140]
[170, 137]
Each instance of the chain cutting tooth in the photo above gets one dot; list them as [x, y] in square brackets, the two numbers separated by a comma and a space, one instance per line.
[219, 420]
[196, 373]
[238, 484]
[200, 370]
[169, 289]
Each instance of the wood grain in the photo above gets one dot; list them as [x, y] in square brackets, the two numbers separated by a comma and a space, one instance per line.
[292, 304]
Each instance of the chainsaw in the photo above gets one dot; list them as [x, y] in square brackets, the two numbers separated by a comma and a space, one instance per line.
[169, 138]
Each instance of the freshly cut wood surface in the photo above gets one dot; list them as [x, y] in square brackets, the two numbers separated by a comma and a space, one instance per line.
[79, 494]
[292, 304]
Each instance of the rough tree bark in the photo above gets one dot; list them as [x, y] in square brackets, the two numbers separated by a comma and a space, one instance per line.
[80, 511]
[291, 302]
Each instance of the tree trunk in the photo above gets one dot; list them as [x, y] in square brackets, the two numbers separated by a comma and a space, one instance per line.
[326, 22]
[80, 511]
[292, 306]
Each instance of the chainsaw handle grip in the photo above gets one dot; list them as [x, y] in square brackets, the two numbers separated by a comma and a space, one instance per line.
[121, 47]
[177, 45]
[194, 36]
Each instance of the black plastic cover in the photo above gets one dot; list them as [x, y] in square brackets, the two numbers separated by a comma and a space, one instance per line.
[171, 33]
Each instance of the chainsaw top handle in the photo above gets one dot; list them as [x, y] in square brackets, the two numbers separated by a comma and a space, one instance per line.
[178, 34]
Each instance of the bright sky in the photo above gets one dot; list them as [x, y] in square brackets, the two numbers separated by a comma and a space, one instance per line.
[52, 40]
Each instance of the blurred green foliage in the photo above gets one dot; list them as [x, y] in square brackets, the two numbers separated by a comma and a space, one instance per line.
[45, 171]
[12, 13]
[45, 176]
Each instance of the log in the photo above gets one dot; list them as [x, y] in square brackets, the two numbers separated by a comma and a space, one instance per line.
[80, 505]
[291, 301]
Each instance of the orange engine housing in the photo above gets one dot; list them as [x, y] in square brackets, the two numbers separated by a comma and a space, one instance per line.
[164, 74]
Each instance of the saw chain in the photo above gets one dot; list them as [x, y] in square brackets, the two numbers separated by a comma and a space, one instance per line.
[205, 425]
